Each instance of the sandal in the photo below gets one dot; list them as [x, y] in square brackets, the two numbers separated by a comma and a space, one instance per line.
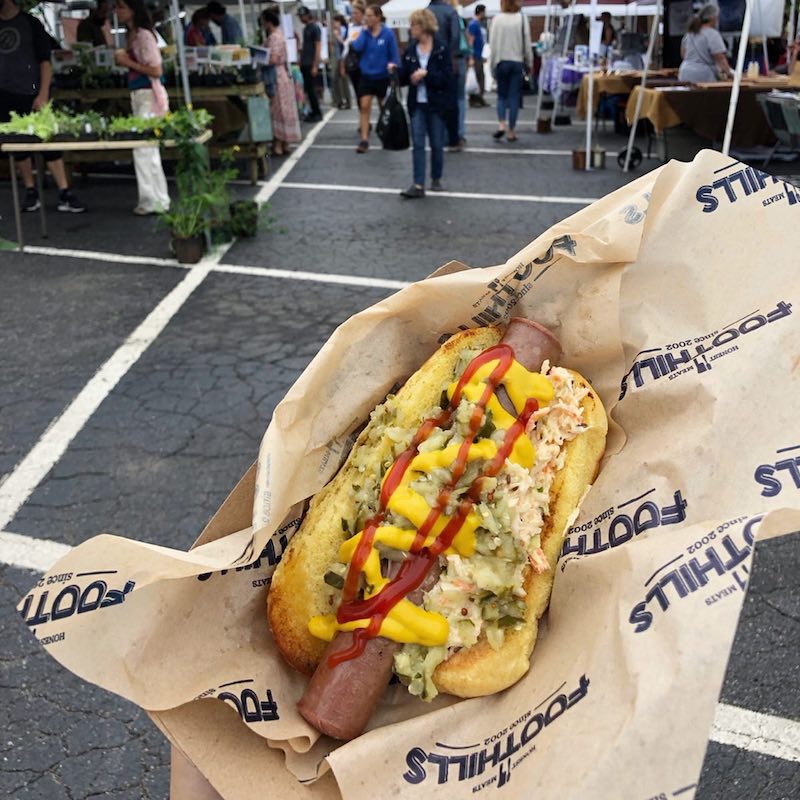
[512, 138]
[498, 134]
[363, 146]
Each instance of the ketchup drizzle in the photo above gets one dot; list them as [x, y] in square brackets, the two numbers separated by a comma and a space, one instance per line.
[416, 567]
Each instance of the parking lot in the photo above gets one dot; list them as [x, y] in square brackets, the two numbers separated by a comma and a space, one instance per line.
[135, 393]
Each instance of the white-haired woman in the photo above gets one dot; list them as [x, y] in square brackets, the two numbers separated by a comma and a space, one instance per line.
[703, 50]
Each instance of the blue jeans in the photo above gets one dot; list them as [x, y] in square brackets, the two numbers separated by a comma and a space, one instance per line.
[427, 122]
[508, 75]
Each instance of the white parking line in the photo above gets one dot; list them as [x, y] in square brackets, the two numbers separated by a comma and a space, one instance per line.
[317, 277]
[265, 192]
[27, 552]
[231, 269]
[520, 198]
[759, 733]
[738, 727]
[99, 255]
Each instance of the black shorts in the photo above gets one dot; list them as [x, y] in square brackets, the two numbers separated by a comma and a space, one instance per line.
[21, 104]
[376, 87]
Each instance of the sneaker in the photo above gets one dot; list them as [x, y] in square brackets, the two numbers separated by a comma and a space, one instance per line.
[458, 147]
[31, 201]
[436, 186]
[68, 202]
[413, 192]
[363, 146]
[312, 118]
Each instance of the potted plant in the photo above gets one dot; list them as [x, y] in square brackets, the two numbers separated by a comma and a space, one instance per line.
[201, 191]
[244, 217]
[186, 220]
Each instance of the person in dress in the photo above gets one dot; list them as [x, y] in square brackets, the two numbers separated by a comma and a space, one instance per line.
[285, 120]
[148, 99]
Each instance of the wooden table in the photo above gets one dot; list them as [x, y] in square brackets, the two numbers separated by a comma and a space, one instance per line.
[228, 104]
[606, 83]
[36, 149]
[705, 111]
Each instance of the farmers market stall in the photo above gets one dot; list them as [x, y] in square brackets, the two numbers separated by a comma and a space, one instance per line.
[619, 83]
[36, 150]
[225, 80]
[237, 108]
[49, 130]
[703, 110]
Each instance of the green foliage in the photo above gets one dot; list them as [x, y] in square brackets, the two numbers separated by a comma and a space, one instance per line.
[182, 125]
[42, 123]
[203, 196]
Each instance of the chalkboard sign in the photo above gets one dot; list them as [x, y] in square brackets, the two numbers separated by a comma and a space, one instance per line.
[260, 119]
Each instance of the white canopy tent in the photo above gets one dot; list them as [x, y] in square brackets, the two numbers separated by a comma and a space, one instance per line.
[640, 9]
[397, 12]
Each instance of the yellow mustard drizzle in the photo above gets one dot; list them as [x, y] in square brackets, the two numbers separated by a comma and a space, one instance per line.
[408, 623]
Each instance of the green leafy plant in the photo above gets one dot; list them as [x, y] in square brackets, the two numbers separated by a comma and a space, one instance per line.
[42, 123]
[132, 124]
[203, 196]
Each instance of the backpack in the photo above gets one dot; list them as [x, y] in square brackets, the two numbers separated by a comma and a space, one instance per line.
[392, 127]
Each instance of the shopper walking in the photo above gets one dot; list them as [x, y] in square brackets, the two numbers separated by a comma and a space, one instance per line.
[510, 41]
[380, 55]
[476, 42]
[427, 70]
[340, 87]
[310, 57]
[148, 99]
[285, 120]
[450, 34]
[350, 59]
[25, 75]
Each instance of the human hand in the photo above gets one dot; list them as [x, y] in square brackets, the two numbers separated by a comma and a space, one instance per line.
[121, 58]
[418, 76]
[314, 71]
[39, 101]
[391, 67]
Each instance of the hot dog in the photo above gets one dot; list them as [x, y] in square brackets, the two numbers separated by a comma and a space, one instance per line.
[441, 489]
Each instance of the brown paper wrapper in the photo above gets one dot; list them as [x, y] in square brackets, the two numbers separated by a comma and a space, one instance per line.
[676, 297]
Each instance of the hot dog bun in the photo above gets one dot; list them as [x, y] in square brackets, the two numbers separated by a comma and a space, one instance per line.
[298, 593]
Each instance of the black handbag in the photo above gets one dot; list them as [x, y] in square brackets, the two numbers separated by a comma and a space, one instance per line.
[392, 127]
[352, 61]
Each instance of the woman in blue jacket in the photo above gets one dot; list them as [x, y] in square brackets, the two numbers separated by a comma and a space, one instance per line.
[427, 69]
[379, 55]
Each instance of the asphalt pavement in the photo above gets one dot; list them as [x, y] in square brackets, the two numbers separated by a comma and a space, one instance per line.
[159, 450]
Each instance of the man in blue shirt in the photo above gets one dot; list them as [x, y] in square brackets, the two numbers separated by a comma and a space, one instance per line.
[476, 41]
[231, 30]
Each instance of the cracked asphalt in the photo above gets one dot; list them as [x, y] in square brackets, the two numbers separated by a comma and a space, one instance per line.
[173, 437]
